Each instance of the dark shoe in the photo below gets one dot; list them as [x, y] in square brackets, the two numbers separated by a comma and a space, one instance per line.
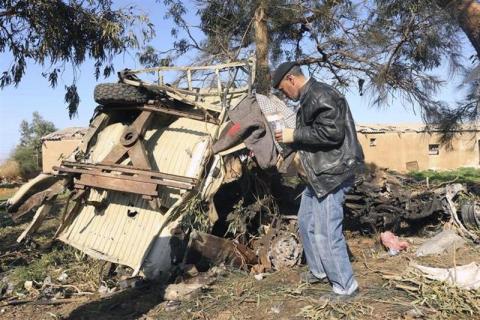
[335, 297]
[308, 277]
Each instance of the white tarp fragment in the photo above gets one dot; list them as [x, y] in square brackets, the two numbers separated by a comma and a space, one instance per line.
[465, 277]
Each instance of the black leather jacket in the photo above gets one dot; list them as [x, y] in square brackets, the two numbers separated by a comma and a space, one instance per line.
[325, 138]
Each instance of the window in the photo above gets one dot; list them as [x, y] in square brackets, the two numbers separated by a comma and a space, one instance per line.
[373, 142]
[434, 149]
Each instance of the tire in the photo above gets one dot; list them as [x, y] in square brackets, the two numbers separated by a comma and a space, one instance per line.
[119, 93]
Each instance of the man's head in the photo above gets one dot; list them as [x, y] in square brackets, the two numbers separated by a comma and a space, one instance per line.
[289, 79]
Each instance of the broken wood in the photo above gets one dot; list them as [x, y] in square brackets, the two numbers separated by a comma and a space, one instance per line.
[211, 250]
[110, 182]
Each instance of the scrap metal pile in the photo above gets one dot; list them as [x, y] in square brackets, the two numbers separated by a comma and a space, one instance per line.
[382, 200]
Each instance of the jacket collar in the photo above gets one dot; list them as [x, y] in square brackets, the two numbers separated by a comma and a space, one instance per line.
[305, 89]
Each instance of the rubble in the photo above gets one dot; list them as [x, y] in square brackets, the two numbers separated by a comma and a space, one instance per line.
[182, 292]
[386, 201]
[208, 250]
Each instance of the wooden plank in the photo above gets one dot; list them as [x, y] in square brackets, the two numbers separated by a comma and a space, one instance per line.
[111, 183]
[37, 220]
[141, 179]
[189, 79]
[141, 123]
[130, 169]
[138, 156]
[219, 82]
[116, 154]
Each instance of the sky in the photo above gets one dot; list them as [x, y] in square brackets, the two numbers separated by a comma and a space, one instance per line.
[35, 94]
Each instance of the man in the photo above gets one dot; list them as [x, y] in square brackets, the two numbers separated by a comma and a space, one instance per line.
[328, 154]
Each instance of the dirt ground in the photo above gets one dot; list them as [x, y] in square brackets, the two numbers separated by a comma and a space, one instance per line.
[385, 291]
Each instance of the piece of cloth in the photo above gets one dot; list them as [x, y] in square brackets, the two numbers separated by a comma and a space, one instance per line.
[320, 227]
[229, 137]
[391, 241]
[465, 277]
[249, 125]
[326, 138]
[272, 104]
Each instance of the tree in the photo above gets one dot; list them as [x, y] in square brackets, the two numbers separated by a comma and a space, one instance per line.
[467, 14]
[386, 48]
[28, 153]
[56, 34]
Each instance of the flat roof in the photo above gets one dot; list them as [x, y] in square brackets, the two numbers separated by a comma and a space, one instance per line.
[410, 127]
[72, 133]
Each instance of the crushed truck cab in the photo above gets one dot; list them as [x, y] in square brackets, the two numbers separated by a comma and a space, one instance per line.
[148, 150]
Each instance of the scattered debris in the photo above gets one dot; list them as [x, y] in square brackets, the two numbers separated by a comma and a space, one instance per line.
[441, 299]
[190, 270]
[444, 241]
[465, 277]
[471, 215]
[28, 285]
[63, 277]
[392, 243]
[182, 291]
[208, 250]
[285, 250]
[133, 282]
[259, 276]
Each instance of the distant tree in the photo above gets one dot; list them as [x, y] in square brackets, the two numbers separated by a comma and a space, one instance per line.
[28, 153]
[386, 48]
[57, 34]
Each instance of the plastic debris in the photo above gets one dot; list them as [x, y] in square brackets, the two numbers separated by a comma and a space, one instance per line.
[465, 277]
[392, 243]
[445, 240]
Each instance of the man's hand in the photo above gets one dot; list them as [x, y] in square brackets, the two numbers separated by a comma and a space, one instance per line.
[285, 136]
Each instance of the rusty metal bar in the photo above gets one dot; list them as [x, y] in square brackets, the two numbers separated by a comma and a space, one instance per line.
[132, 170]
[144, 179]
[111, 183]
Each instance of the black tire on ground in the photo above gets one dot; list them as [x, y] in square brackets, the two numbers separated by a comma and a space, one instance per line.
[119, 93]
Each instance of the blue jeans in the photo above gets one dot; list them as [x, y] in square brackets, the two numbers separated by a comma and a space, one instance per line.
[320, 226]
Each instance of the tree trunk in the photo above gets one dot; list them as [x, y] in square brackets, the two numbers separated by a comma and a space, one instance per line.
[261, 43]
[467, 14]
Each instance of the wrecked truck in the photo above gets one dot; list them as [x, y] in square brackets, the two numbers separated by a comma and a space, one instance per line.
[147, 152]
[153, 148]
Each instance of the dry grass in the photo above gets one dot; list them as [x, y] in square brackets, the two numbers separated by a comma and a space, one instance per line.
[441, 299]
[10, 170]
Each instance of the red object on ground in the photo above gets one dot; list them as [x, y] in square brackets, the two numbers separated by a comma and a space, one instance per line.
[391, 241]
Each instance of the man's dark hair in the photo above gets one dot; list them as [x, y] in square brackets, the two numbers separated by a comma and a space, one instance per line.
[295, 71]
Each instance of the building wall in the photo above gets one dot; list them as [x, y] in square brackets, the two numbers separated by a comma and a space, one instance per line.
[405, 151]
[54, 151]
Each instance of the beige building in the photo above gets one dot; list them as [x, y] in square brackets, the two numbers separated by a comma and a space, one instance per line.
[412, 147]
[397, 147]
[58, 145]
